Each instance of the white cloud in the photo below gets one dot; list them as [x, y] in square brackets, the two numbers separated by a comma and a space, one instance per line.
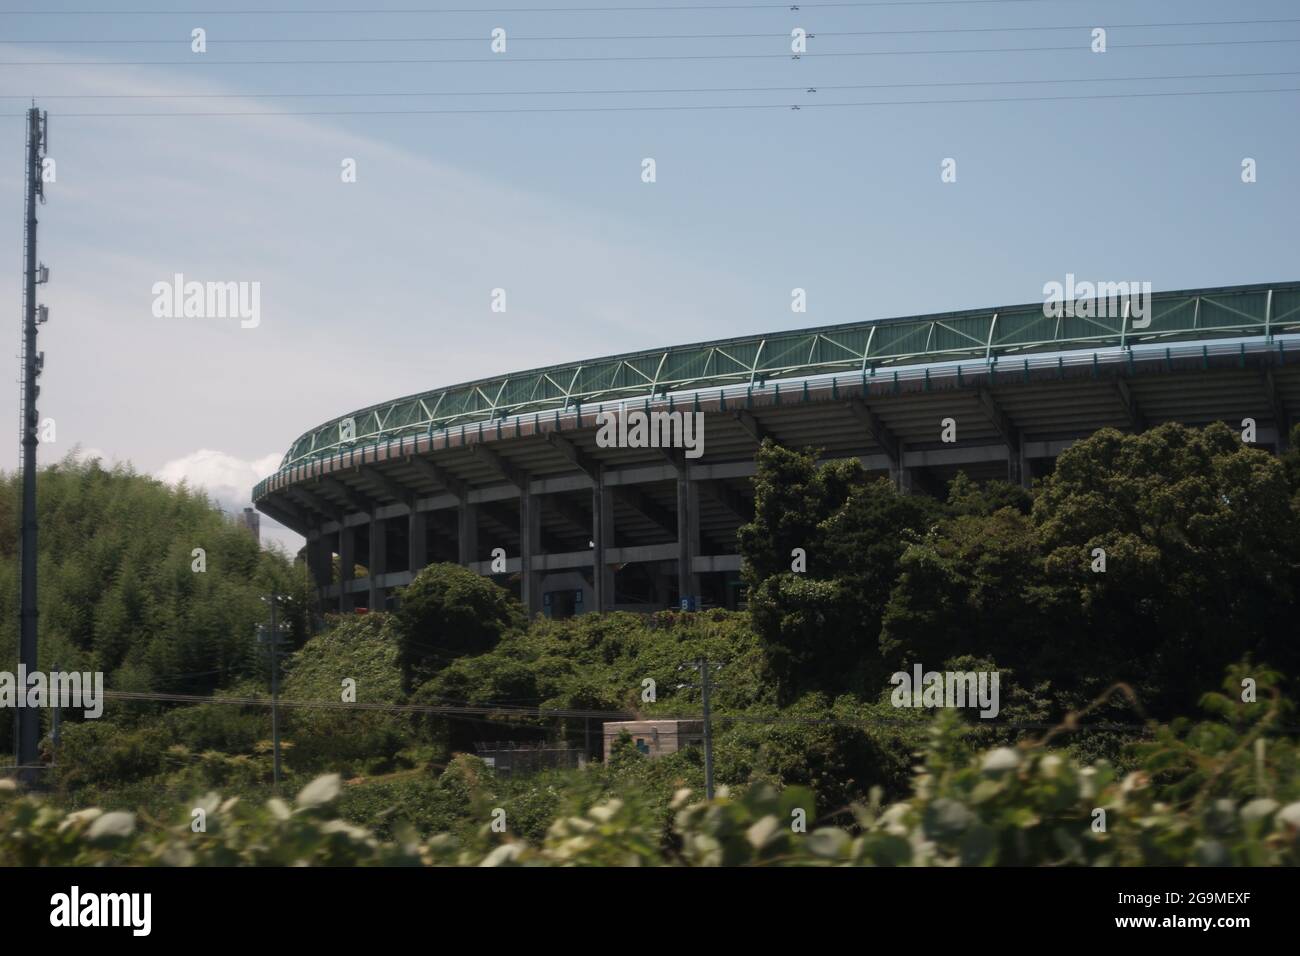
[227, 479]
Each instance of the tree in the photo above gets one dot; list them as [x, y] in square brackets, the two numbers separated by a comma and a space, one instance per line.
[967, 587]
[447, 612]
[967, 497]
[357, 656]
[819, 621]
[1199, 539]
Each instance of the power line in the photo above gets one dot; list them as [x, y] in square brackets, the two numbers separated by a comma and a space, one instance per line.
[469, 711]
[799, 88]
[675, 108]
[674, 8]
[198, 60]
[812, 34]
[450, 710]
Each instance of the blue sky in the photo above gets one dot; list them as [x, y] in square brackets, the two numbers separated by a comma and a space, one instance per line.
[383, 287]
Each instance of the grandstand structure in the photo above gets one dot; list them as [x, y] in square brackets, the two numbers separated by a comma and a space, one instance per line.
[506, 476]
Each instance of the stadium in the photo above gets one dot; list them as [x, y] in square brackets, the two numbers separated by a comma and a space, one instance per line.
[506, 476]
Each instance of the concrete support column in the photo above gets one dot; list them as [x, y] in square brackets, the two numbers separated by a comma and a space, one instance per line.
[1013, 465]
[378, 561]
[1019, 471]
[602, 538]
[417, 541]
[688, 536]
[467, 533]
[903, 479]
[347, 561]
[530, 542]
[317, 566]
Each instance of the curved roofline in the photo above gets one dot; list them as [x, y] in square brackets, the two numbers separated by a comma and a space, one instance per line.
[948, 337]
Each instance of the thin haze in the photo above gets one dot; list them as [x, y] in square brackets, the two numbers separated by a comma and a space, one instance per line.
[383, 287]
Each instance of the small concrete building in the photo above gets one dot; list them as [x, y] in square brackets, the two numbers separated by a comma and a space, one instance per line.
[655, 738]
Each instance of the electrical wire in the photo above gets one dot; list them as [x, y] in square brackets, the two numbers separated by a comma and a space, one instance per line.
[466, 710]
[202, 60]
[672, 108]
[799, 88]
[672, 8]
[930, 31]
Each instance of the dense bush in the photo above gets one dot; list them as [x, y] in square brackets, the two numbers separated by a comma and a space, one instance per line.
[1217, 793]
[364, 651]
[1200, 539]
[1155, 559]
[118, 589]
[449, 611]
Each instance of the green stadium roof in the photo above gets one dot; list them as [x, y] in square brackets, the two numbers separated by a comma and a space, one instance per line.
[981, 335]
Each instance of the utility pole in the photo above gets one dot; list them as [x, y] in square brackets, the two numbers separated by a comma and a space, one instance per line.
[706, 685]
[54, 724]
[708, 730]
[273, 639]
[27, 731]
[275, 696]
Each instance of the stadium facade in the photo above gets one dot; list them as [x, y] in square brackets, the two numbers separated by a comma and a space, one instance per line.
[512, 476]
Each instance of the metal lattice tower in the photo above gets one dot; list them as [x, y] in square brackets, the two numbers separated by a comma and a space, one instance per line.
[27, 726]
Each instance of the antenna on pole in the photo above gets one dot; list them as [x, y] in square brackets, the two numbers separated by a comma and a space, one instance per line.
[27, 725]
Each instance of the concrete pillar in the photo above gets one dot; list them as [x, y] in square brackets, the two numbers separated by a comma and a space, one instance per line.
[317, 569]
[378, 561]
[530, 543]
[688, 536]
[904, 480]
[319, 565]
[417, 541]
[663, 583]
[467, 533]
[347, 561]
[602, 538]
[1018, 467]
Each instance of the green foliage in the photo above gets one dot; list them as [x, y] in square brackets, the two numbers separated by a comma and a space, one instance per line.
[1208, 794]
[966, 497]
[117, 590]
[1201, 535]
[1291, 460]
[841, 749]
[1201, 544]
[1202, 569]
[361, 649]
[600, 661]
[820, 627]
[449, 611]
[139, 761]
[967, 587]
